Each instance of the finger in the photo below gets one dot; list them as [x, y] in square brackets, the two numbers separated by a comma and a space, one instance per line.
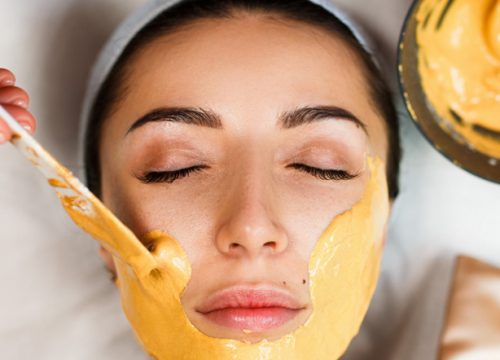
[23, 116]
[14, 96]
[5, 132]
[7, 78]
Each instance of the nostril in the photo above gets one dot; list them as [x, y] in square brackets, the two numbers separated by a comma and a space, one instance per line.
[271, 244]
[233, 246]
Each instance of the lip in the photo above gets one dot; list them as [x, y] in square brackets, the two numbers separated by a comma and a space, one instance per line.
[252, 309]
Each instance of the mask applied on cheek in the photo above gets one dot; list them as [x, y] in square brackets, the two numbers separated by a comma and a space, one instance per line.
[343, 271]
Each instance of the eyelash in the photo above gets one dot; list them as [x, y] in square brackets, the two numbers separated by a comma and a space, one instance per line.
[171, 176]
[324, 174]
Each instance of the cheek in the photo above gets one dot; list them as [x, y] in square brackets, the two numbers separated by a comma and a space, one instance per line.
[187, 213]
[308, 212]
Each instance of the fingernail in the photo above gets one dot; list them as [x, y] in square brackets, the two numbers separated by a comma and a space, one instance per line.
[27, 127]
[21, 103]
[2, 138]
[7, 82]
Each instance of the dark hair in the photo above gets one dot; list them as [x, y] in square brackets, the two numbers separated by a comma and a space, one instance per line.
[188, 11]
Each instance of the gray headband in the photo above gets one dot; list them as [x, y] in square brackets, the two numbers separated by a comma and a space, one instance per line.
[122, 36]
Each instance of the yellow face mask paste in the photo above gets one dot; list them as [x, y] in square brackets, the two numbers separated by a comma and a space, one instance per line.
[343, 271]
[459, 66]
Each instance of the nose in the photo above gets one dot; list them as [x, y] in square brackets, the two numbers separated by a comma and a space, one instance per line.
[249, 227]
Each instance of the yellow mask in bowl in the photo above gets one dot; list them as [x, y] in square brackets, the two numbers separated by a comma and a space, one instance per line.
[343, 271]
[459, 66]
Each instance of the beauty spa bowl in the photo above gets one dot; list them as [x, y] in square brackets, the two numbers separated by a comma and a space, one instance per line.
[449, 75]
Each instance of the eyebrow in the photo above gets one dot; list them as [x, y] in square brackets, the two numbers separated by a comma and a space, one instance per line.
[207, 118]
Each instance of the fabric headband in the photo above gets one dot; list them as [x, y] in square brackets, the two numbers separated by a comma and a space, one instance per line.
[121, 37]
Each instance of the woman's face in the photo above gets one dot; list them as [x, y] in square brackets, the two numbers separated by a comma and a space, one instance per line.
[253, 105]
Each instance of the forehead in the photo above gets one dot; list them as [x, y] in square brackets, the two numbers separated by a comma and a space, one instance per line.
[219, 55]
[251, 64]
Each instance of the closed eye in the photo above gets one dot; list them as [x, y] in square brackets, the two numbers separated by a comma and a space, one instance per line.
[325, 174]
[172, 176]
[169, 176]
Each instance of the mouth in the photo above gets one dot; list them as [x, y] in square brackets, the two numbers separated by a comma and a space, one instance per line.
[251, 309]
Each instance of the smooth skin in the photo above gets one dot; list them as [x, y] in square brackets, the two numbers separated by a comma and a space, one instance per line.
[249, 218]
